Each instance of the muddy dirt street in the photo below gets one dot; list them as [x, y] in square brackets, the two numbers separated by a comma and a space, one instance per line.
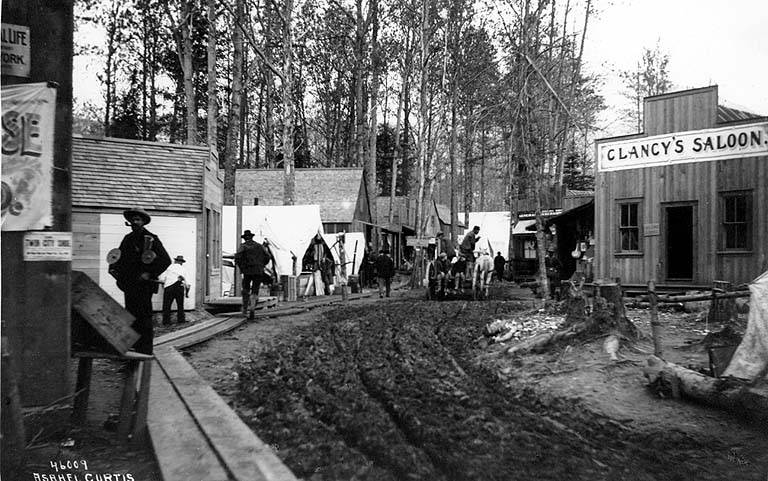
[393, 390]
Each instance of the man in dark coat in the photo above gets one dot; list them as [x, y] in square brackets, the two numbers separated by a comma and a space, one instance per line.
[142, 258]
[498, 265]
[250, 258]
[385, 270]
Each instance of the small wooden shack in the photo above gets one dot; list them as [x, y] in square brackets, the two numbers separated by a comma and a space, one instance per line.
[340, 193]
[685, 202]
[180, 186]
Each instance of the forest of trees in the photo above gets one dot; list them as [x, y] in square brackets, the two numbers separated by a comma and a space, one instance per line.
[475, 104]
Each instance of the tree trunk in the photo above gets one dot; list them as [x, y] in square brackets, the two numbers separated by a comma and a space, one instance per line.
[212, 103]
[187, 68]
[725, 393]
[452, 155]
[289, 192]
[233, 127]
[396, 155]
[370, 174]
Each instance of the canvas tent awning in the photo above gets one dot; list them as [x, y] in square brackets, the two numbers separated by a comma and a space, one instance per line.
[289, 229]
[494, 230]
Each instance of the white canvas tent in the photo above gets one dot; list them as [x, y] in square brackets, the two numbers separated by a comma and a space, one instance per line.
[289, 229]
[351, 238]
[494, 228]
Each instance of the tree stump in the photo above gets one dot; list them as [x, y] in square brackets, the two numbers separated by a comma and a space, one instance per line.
[609, 314]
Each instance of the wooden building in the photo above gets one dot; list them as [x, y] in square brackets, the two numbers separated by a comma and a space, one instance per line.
[340, 193]
[180, 186]
[685, 202]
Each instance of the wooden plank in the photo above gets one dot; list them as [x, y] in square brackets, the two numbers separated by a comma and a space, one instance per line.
[102, 312]
[201, 336]
[246, 456]
[182, 451]
[172, 336]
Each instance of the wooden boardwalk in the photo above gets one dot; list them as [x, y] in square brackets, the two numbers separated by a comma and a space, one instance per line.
[194, 433]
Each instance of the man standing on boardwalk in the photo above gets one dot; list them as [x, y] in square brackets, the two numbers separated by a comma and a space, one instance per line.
[142, 258]
[175, 289]
[251, 258]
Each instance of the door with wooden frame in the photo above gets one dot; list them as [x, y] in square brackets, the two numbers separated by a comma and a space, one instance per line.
[680, 240]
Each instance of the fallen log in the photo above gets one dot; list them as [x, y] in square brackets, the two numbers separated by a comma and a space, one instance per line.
[696, 297]
[731, 394]
[541, 341]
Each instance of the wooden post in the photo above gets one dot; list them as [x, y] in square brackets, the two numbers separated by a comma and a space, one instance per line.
[35, 295]
[238, 230]
[128, 399]
[655, 323]
[83, 388]
[13, 437]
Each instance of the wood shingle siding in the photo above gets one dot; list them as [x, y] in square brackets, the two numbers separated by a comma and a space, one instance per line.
[121, 173]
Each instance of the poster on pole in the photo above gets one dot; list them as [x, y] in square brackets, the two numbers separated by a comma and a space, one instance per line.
[28, 115]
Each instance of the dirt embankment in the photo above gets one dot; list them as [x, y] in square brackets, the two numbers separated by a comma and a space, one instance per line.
[392, 390]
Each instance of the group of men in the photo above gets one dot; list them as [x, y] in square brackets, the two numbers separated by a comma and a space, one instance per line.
[450, 267]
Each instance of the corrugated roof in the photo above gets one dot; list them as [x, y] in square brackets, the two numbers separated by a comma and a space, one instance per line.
[120, 173]
[335, 190]
[728, 114]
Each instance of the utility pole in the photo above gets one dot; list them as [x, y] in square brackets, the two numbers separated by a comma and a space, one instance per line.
[36, 295]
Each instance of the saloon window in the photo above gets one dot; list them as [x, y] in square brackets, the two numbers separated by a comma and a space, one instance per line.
[629, 227]
[736, 220]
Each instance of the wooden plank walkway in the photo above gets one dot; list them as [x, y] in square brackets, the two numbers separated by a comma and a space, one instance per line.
[194, 433]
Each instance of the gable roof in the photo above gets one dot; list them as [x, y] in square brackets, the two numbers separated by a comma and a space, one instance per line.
[121, 173]
[728, 114]
[335, 190]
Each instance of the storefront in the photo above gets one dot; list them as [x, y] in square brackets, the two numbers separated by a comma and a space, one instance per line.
[686, 202]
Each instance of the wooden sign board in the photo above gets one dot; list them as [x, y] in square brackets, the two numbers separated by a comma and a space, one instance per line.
[102, 312]
[417, 241]
[650, 230]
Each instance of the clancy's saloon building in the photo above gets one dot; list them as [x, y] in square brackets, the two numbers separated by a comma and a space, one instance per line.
[684, 203]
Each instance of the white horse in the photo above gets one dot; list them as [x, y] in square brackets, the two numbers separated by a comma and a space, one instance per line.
[483, 274]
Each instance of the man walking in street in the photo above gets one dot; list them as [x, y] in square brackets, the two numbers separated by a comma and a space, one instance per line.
[385, 270]
[251, 257]
[175, 289]
[142, 258]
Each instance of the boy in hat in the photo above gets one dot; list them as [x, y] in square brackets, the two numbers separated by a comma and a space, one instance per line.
[175, 288]
[251, 258]
[142, 258]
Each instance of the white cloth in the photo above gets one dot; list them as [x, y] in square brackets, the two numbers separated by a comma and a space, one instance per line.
[751, 357]
[172, 274]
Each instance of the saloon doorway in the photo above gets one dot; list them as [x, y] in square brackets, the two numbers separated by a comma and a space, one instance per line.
[679, 222]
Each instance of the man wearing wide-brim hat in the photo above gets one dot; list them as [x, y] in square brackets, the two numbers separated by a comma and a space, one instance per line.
[175, 289]
[142, 258]
[250, 258]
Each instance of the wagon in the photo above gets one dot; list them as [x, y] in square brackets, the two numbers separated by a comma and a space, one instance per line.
[433, 289]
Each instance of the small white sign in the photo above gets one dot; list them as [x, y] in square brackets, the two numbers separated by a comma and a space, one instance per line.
[48, 246]
[416, 241]
[15, 50]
